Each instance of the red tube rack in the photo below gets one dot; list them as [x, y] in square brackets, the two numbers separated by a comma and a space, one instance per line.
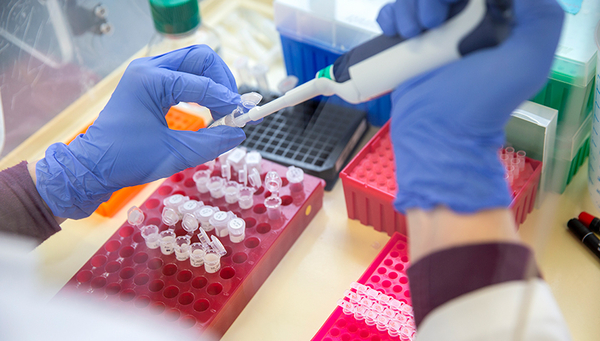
[370, 186]
[125, 272]
[387, 274]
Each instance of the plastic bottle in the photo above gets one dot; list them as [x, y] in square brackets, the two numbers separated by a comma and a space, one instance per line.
[178, 24]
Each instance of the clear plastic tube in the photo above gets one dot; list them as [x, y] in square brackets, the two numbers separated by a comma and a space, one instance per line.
[201, 179]
[212, 262]
[182, 247]
[167, 242]
[273, 182]
[203, 215]
[189, 223]
[237, 230]
[246, 198]
[273, 205]
[196, 255]
[232, 192]
[151, 236]
[135, 216]
[249, 101]
[295, 176]
[170, 217]
[215, 186]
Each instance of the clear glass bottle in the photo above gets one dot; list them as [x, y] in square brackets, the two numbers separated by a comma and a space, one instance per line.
[178, 24]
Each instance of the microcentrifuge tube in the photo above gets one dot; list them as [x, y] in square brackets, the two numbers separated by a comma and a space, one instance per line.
[253, 160]
[521, 156]
[226, 171]
[182, 247]
[236, 158]
[273, 205]
[167, 242]
[135, 216]
[212, 262]
[237, 230]
[243, 72]
[215, 186]
[196, 255]
[218, 246]
[151, 236]
[273, 182]
[201, 179]
[190, 207]
[219, 221]
[243, 176]
[204, 240]
[174, 201]
[246, 198]
[259, 71]
[287, 84]
[254, 179]
[170, 217]
[232, 192]
[510, 151]
[203, 215]
[295, 176]
[189, 223]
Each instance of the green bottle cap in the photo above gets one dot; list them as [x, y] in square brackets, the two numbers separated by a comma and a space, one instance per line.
[175, 16]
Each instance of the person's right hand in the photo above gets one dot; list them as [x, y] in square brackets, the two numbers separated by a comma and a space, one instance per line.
[130, 142]
[447, 125]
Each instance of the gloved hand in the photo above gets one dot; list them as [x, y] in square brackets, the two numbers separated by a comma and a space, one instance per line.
[447, 125]
[130, 143]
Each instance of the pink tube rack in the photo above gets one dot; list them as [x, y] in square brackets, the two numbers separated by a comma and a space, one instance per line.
[125, 272]
[369, 182]
[386, 276]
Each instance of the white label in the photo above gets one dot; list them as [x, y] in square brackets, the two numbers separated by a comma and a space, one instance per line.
[236, 223]
[174, 199]
[190, 205]
[220, 216]
[206, 212]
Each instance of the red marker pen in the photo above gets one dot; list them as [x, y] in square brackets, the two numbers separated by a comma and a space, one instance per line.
[590, 221]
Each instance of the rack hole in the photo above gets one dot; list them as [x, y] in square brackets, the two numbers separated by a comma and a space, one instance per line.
[201, 305]
[98, 282]
[155, 263]
[153, 203]
[171, 291]
[286, 200]
[84, 276]
[127, 273]
[98, 260]
[260, 209]
[113, 267]
[126, 252]
[169, 269]
[156, 285]
[113, 245]
[127, 295]
[126, 231]
[113, 289]
[240, 257]
[186, 298]
[250, 222]
[251, 242]
[263, 228]
[227, 273]
[214, 289]
[184, 276]
[140, 257]
[142, 301]
[199, 282]
[141, 279]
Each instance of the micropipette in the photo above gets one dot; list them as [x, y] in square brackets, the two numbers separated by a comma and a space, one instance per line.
[379, 65]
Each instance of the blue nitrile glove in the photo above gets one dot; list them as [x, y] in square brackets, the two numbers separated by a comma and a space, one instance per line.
[130, 143]
[447, 125]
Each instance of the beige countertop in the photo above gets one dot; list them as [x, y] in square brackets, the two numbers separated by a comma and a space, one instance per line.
[332, 252]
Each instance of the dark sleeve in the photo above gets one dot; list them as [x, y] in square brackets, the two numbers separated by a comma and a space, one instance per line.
[22, 209]
[448, 274]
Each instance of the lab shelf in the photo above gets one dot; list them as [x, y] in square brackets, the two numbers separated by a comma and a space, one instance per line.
[370, 186]
[124, 272]
[177, 119]
[386, 275]
[316, 136]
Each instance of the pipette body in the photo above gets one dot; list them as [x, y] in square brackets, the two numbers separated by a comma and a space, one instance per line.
[379, 65]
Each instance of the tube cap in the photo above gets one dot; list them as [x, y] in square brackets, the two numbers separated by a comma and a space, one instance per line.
[175, 16]
[586, 218]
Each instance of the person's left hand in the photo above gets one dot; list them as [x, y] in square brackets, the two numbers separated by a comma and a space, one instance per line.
[130, 142]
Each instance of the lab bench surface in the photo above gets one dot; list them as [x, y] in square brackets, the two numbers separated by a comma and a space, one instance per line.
[332, 252]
